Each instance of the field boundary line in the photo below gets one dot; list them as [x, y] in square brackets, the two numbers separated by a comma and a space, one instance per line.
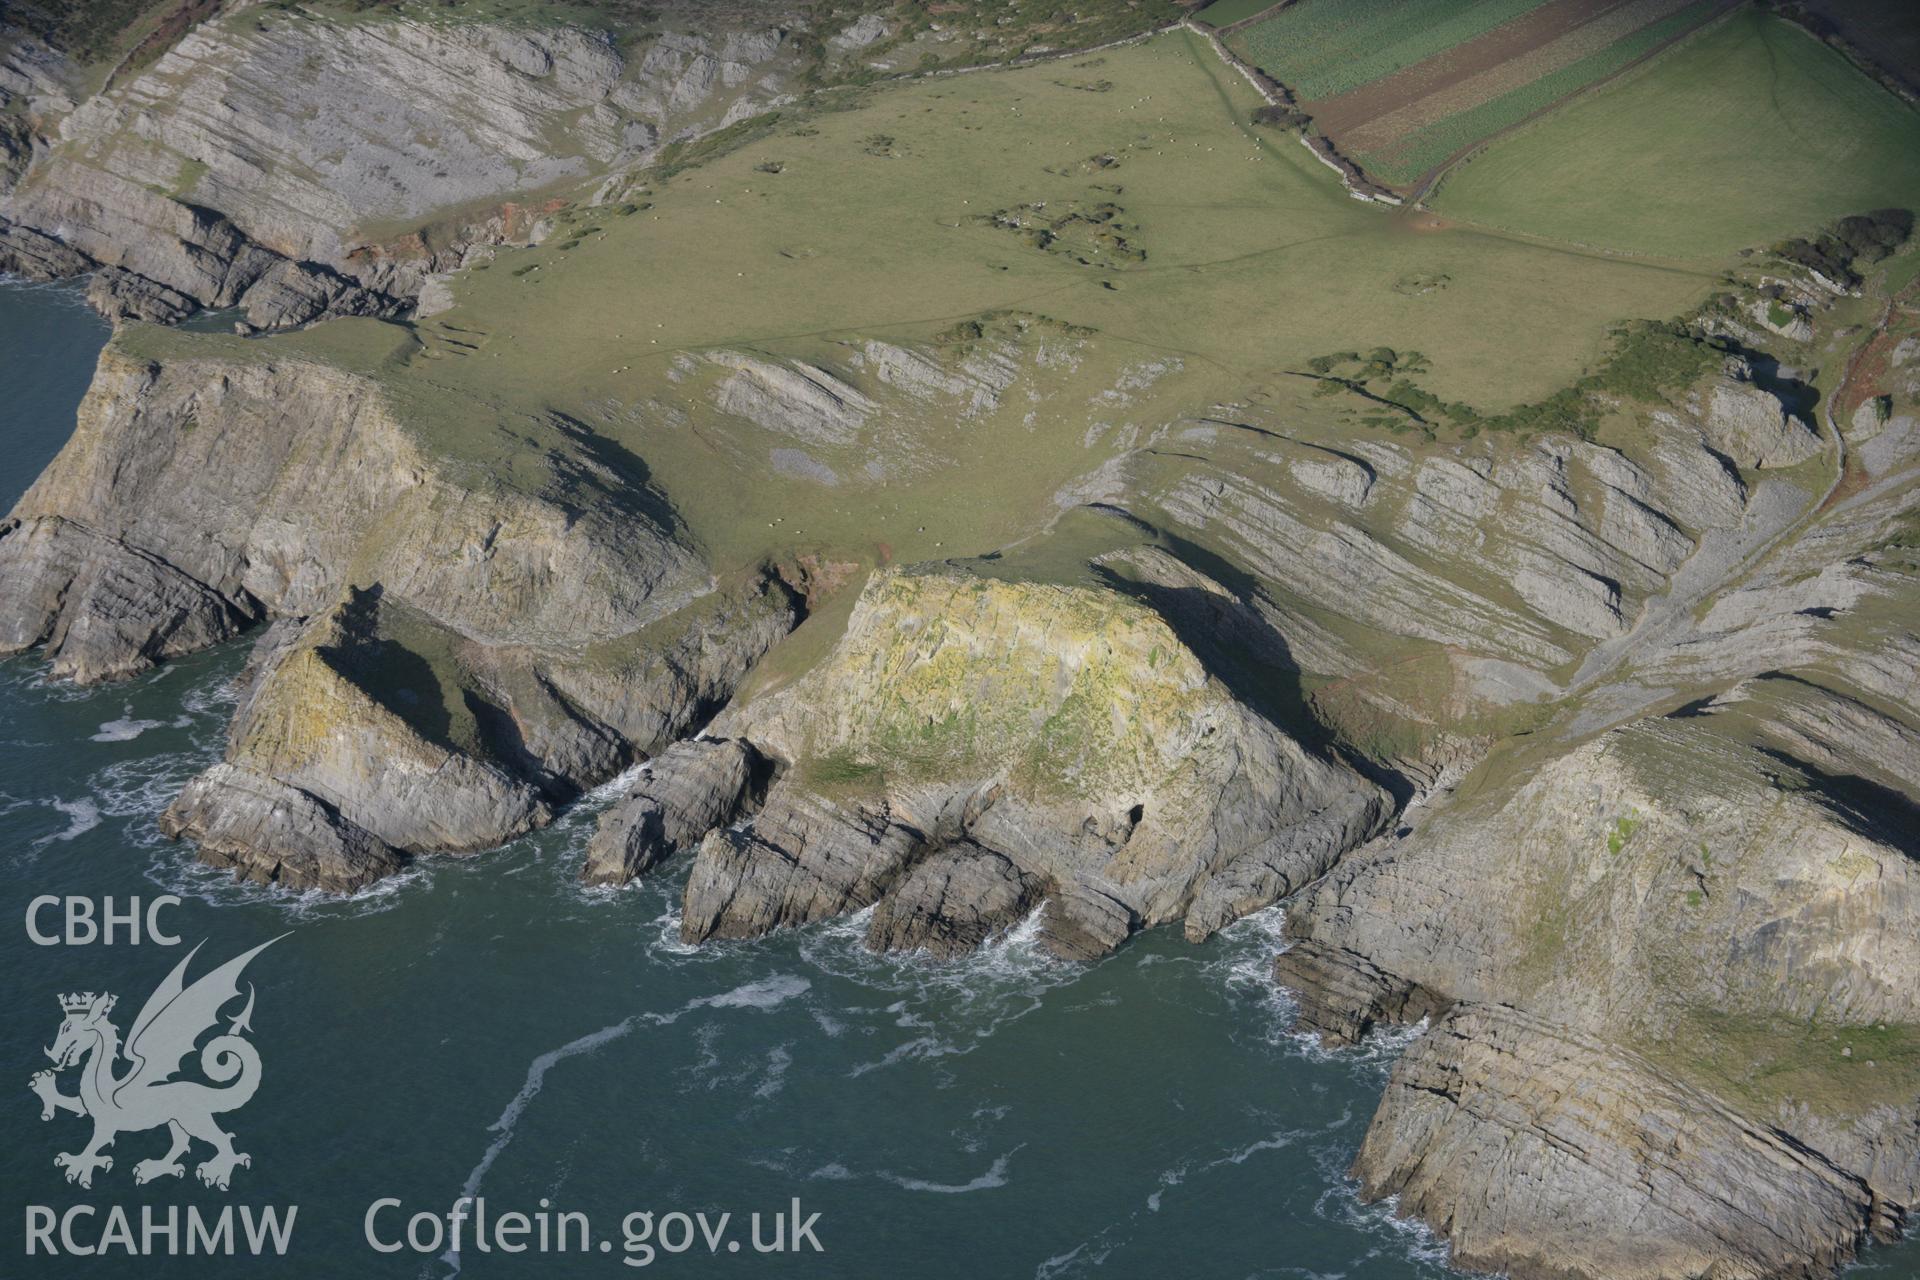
[1261, 16]
[1428, 187]
[1352, 176]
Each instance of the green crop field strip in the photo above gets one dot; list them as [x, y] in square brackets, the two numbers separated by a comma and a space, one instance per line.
[1740, 136]
[1424, 149]
[1224, 13]
[1320, 48]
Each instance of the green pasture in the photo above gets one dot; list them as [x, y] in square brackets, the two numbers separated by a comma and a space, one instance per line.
[1425, 149]
[821, 231]
[1747, 133]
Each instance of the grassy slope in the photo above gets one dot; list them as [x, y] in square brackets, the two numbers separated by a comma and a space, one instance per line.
[1747, 133]
[1253, 265]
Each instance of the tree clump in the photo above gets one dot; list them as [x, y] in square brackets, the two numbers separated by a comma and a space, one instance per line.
[1860, 240]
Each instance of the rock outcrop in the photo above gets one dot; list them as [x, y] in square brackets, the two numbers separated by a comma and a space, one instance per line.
[293, 165]
[1651, 1000]
[198, 494]
[266, 831]
[1749, 425]
[973, 745]
[1535, 1145]
[458, 652]
[683, 793]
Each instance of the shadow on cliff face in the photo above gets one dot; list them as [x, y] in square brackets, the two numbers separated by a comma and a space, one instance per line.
[394, 676]
[1876, 812]
[506, 743]
[1244, 651]
[1799, 398]
[636, 490]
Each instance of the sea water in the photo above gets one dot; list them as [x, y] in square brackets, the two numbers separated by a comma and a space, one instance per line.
[484, 1027]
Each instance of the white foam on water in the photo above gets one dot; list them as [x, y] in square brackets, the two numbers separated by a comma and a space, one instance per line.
[1059, 1262]
[995, 1176]
[211, 697]
[127, 728]
[920, 1047]
[606, 793]
[189, 878]
[83, 815]
[956, 1004]
[516, 1107]
[1380, 1221]
[61, 291]
[779, 1058]
[768, 993]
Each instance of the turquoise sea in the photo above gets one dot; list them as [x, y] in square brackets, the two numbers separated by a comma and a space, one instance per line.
[484, 1027]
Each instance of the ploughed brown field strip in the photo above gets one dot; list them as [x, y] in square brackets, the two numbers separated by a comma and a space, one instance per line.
[1535, 44]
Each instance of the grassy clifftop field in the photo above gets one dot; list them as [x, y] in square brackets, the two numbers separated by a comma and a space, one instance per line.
[1119, 205]
[1747, 133]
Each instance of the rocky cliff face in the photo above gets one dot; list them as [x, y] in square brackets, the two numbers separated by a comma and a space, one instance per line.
[455, 652]
[293, 165]
[1575, 1137]
[1694, 933]
[975, 746]
[196, 495]
[1670, 927]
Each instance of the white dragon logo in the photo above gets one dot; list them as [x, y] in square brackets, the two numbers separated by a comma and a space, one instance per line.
[146, 1096]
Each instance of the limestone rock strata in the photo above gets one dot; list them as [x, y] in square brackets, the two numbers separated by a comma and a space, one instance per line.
[199, 493]
[457, 652]
[1669, 972]
[975, 744]
[953, 902]
[272, 833]
[1516, 558]
[419, 739]
[683, 793]
[287, 163]
[1537, 1146]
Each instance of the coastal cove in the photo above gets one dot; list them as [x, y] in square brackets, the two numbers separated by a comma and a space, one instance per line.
[485, 1026]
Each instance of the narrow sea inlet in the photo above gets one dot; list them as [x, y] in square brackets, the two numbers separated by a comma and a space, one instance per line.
[484, 1028]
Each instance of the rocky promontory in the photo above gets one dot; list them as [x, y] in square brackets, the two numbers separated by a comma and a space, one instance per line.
[453, 651]
[974, 746]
